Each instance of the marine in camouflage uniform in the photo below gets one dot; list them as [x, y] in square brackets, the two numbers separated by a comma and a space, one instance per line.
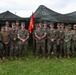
[58, 39]
[6, 42]
[60, 32]
[45, 27]
[74, 41]
[40, 35]
[34, 39]
[46, 30]
[62, 41]
[14, 44]
[23, 36]
[51, 45]
[70, 29]
[18, 27]
[67, 42]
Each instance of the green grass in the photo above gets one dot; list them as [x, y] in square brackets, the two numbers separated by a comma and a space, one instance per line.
[39, 67]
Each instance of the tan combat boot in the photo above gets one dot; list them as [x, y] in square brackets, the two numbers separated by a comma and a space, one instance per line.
[27, 58]
[3, 58]
[64, 56]
[55, 57]
[48, 57]
[68, 56]
[43, 57]
[60, 56]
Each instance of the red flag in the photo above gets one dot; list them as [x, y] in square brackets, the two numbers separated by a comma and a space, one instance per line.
[31, 25]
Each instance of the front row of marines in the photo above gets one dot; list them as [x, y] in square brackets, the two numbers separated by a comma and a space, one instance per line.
[13, 42]
[60, 42]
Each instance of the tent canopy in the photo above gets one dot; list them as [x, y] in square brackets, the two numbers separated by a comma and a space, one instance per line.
[44, 13]
[9, 16]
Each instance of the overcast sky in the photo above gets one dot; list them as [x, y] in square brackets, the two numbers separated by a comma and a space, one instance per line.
[24, 8]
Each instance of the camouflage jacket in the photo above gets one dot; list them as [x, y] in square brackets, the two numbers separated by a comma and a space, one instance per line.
[40, 32]
[13, 34]
[67, 36]
[23, 34]
[52, 34]
[73, 35]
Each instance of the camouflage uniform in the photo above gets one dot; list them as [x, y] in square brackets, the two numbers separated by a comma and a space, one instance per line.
[58, 39]
[14, 43]
[40, 43]
[62, 37]
[52, 45]
[18, 28]
[46, 30]
[23, 45]
[67, 42]
[34, 39]
[74, 41]
[17, 40]
[60, 42]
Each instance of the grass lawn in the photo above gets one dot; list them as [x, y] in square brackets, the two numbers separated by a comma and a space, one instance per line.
[39, 67]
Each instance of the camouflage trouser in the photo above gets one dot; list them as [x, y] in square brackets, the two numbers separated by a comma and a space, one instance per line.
[23, 49]
[67, 46]
[42, 46]
[60, 47]
[6, 50]
[14, 49]
[34, 46]
[51, 46]
[73, 47]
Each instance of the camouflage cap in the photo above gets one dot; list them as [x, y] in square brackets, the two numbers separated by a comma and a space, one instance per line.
[40, 23]
[62, 24]
[67, 26]
[13, 24]
[23, 23]
[51, 24]
[45, 22]
[17, 21]
[58, 24]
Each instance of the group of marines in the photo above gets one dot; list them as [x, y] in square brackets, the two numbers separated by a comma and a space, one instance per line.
[61, 42]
